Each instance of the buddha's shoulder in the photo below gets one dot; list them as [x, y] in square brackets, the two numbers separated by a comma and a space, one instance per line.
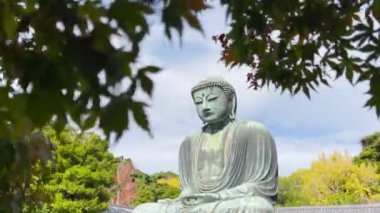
[251, 126]
[193, 134]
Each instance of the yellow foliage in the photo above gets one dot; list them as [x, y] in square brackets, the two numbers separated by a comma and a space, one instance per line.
[335, 179]
[173, 181]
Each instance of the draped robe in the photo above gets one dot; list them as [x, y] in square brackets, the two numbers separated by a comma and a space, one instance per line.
[247, 182]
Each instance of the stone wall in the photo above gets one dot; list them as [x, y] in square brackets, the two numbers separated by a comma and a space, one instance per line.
[374, 208]
[126, 190]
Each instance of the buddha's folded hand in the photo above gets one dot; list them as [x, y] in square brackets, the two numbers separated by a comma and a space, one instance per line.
[196, 199]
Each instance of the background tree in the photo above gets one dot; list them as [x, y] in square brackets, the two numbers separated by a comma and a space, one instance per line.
[289, 190]
[151, 188]
[370, 151]
[77, 179]
[331, 180]
[167, 185]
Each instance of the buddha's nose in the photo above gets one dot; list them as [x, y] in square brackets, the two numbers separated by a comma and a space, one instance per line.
[206, 107]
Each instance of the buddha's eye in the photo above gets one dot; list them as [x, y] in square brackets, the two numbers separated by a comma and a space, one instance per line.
[212, 98]
[198, 102]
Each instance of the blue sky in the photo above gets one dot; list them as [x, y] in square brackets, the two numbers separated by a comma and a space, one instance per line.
[333, 119]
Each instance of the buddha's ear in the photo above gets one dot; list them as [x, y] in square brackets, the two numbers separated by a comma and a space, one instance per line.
[233, 102]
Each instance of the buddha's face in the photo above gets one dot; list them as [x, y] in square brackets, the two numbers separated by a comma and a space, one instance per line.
[212, 104]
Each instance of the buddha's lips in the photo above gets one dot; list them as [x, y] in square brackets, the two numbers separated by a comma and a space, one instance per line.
[206, 114]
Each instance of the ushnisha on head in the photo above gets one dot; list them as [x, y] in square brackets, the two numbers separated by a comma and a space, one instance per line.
[215, 100]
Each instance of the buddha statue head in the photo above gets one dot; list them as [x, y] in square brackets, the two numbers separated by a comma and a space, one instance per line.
[215, 100]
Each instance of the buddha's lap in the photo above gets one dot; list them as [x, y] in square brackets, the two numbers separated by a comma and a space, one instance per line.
[244, 205]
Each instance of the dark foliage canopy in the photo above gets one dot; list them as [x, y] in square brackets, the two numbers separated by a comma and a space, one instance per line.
[298, 45]
[58, 64]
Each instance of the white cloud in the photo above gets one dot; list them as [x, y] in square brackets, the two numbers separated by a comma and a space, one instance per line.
[296, 152]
